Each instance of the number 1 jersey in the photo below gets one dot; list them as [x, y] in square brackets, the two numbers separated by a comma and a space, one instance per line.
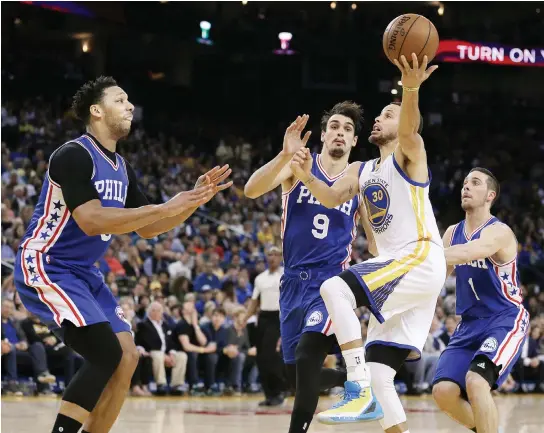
[314, 236]
[483, 287]
[53, 229]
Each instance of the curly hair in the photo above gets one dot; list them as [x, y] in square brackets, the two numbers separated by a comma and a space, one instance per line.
[89, 94]
[347, 108]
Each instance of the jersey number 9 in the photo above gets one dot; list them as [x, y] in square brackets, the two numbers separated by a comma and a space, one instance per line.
[321, 226]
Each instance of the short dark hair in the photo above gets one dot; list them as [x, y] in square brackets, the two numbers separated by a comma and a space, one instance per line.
[220, 310]
[420, 127]
[89, 94]
[492, 182]
[347, 108]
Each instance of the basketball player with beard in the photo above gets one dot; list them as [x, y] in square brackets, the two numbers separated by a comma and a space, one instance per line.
[316, 246]
[401, 284]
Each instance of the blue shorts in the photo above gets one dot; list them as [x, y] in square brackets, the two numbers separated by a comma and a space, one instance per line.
[500, 338]
[301, 307]
[55, 291]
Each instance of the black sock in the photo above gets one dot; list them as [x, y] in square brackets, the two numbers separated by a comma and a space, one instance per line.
[300, 421]
[63, 424]
[474, 429]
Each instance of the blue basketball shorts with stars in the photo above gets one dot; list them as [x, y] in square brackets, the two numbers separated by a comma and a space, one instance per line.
[499, 337]
[55, 291]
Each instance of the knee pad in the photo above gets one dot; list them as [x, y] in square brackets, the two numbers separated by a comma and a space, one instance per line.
[391, 356]
[313, 345]
[484, 367]
[383, 386]
[338, 287]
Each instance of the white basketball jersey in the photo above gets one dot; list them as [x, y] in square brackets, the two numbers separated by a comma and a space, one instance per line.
[398, 208]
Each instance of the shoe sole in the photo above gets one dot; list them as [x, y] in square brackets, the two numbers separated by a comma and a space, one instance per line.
[331, 421]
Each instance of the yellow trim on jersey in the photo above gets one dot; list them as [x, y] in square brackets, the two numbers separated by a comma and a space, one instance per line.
[397, 268]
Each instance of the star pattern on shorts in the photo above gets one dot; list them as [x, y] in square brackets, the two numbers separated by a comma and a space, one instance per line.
[55, 216]
[31, 269]
[58, 205]
[35, 279]
[44, 235]
[50, 225]
[505, 276]
[514, 292]
[29, 259]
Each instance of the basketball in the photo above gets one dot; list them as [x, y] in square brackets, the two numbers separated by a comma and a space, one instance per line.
[410, 33]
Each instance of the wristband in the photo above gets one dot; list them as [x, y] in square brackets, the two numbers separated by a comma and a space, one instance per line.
[410, 89]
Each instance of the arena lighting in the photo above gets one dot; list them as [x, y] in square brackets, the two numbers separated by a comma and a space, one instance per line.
[353, 6]
[394, 91]
[399, 83]
[441, 9]
[244, 2]
[205, 27]
[285, 38]
[85, 46]
[333, 5]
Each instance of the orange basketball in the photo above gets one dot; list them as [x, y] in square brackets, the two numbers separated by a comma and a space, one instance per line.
[410, 33]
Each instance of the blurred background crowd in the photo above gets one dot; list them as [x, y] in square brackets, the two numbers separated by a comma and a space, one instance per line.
[218, 104]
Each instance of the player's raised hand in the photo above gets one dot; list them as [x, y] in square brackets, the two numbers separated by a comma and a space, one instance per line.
[413, 76]
[292, 140]
[301, 164]
[188, 199]
[214, 177]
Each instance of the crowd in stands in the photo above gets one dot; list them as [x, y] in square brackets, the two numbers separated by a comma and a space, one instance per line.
[186, 292]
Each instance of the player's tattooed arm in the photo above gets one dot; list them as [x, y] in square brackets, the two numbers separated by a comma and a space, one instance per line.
[492, 239]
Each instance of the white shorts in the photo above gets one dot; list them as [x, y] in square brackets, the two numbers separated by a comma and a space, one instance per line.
[402, 290]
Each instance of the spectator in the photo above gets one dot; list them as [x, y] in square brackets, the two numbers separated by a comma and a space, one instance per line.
[207, 278]
[48, 351]
[530, 367]
[450, 325]
[193, 342]
[16, 351]
[217, 360]
[156, 263]
[155, 337]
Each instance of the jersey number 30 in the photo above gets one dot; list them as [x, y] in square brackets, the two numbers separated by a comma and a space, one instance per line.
[321, 226]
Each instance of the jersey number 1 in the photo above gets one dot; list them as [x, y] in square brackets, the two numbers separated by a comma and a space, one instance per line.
[473, 289]
[321, 226]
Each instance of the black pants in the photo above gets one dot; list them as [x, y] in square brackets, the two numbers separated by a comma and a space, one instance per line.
[269, 361]
[143, 372]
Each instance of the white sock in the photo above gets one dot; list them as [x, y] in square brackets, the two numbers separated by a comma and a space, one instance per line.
[356, 365]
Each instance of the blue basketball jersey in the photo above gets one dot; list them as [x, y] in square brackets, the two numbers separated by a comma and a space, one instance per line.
[484, 288]
[54, 231]
[314, 236]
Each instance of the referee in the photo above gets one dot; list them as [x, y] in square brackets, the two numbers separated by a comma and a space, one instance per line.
[269, 362]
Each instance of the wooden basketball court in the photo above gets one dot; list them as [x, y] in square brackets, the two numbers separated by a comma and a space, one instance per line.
[518, 414]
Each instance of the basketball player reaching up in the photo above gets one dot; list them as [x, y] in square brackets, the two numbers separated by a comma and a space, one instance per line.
[90, 193]
[487, 343]
[399, 286]
[316, 245]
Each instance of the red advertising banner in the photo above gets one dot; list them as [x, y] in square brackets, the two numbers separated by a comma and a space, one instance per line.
[467, 52]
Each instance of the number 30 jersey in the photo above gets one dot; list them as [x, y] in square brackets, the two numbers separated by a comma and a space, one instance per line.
[483, 287]
[314, 236]
[399, 211]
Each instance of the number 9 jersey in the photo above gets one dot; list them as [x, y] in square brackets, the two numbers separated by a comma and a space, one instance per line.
[314, 236]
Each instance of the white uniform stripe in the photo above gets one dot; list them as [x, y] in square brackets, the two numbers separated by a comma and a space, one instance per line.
[511, 342]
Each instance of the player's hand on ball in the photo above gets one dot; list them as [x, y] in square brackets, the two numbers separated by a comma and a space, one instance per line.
[292, 141]
[413, 76]
[301, 164]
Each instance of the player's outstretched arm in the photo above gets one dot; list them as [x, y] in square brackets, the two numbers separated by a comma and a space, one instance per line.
[410, 142]
[492, 239]
[213, 179]
[277, 171]
[340, 192]
[94, 219]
